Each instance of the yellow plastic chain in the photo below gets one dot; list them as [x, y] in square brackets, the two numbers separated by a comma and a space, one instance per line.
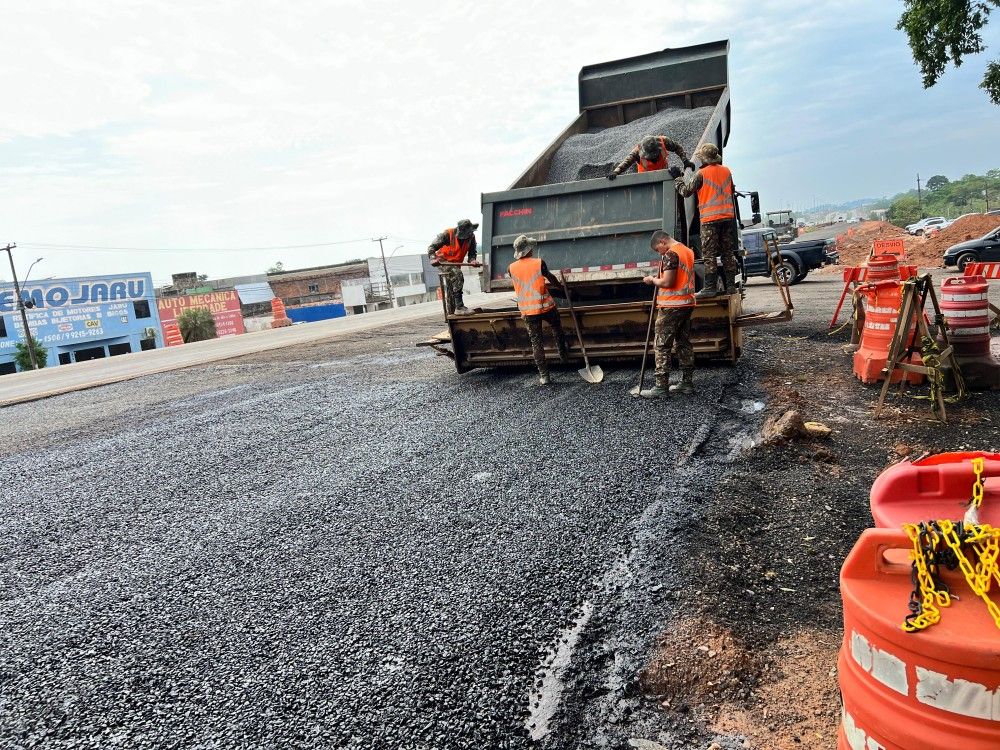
[930, 596]
[978, 464]
[978, 580]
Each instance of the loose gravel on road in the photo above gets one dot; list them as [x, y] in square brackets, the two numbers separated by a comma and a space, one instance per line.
[350, 547]
[591, 155]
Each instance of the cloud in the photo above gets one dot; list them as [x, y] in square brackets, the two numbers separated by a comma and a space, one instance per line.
[232, 124]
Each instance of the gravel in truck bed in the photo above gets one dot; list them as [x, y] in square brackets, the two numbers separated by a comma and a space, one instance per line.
[590, 155]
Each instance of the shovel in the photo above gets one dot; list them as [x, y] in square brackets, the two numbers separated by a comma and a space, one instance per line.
[591, 374]
[649, 330]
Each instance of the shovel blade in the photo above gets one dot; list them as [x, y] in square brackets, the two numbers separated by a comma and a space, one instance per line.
[592, 374]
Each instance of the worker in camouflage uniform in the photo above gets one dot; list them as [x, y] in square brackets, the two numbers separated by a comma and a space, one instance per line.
[675, 302]
[713, 184]
[535, 303]
[651, 154]
[448, 250]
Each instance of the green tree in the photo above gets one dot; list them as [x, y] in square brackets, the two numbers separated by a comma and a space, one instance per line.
[938, 180]
[196, 324]
[22, 357]
[276, 268]
[944, 31]
[903, 211]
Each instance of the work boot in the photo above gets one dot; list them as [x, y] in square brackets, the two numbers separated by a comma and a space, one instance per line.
[463, 310]
[544, 379]
[685, 386]
[564, 354]
[657, 391]
[731, 289]
[710, 289]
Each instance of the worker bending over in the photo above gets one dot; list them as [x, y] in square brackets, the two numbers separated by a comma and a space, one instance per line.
[713, 184]
[651, 154]
[449, 249]
[675, 301]
[535, 303]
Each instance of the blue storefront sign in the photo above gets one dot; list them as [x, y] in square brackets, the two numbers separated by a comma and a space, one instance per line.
[82, 318]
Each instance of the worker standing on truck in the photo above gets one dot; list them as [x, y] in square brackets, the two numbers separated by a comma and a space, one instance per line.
[651, 154]
[713, 184]
[451, 248]
[675, 302]
[535, 303]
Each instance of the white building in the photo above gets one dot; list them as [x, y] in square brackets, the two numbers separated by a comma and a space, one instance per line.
[412, 280]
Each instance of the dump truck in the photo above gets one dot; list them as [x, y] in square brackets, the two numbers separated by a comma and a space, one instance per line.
[595, 231]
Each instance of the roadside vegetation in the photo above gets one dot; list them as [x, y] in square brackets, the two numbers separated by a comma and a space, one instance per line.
[949, 198]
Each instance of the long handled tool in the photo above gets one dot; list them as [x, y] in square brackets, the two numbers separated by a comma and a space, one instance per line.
[591, 374]
[649, 330]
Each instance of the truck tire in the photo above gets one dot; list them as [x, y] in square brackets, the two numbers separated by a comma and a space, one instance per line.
[788, 273]
[965, 259]
[802, 276]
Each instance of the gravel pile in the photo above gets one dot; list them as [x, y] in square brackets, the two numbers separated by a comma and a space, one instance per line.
[591, 155]
[370, 551]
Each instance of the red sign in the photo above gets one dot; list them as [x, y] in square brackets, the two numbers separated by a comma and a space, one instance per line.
[224, 306]
[516, 212]
[889, 247]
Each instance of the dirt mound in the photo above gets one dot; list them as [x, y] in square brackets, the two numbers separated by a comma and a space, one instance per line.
[856, 244]
[927, 252]
[699, 664]
[800, 708]
[969, 228]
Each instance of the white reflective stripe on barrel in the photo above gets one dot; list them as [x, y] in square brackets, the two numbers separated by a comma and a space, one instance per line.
[877, 326]
[882, 310]
[979, 312]
[964, 297]
[953, 332]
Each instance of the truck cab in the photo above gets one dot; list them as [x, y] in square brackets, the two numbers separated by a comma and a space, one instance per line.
[783, 223]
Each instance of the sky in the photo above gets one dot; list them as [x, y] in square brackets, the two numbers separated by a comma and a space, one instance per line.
[171, 136]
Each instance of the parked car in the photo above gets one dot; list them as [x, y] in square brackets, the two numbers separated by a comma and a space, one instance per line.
[797, 258]
[986, 249]
[921, 226]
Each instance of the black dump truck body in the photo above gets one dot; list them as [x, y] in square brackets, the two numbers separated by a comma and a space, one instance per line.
[595, 231]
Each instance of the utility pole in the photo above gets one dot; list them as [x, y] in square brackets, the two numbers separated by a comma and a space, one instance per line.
[385, 267]
[20, 306]
[986, 192]
[920, 202]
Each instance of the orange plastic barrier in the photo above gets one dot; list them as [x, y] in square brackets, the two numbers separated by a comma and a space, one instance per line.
[938, 688]
[281, 318]
[172, 334]
[881, 300]
[986, 270]
[895, 247]
[935, 487]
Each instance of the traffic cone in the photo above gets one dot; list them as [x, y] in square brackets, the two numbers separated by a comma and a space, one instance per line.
[172, 334]
[281, 318]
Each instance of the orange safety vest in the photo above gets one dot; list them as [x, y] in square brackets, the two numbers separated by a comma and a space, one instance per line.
[533, 297]
[681, 292]
[652, 166]
[456, 249]
[715, 196]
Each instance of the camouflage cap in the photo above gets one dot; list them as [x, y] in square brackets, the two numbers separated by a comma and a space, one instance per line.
[650, 147]
[465, 228]
[708, 153]
[523, 246]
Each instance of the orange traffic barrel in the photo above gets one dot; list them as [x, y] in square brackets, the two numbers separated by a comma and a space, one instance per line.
[883, 268]
[966, 307]
[881, 301]
[932, 689]
[907, 271]
[172, 334]
[279, 314]
[938, 486]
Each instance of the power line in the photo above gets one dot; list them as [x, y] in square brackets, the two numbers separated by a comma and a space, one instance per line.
[110, 248]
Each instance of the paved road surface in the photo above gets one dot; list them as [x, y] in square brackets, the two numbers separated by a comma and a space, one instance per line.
[27, 386]
[346, 544]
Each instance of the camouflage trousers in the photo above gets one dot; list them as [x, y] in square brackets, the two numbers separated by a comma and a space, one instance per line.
[718, 240]
[453, 283]
[673, 327]
[534, 326]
